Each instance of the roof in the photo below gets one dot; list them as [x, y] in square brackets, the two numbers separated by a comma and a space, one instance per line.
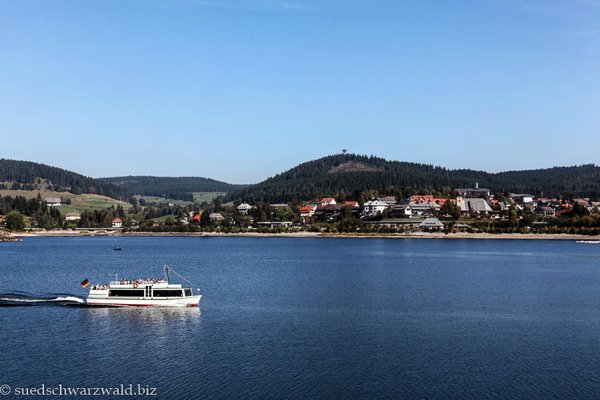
[306, 208]
[52, 200]
[432, 223]
[327, 199]
[375, 203]
[117, 220]
[424, 205]
[479, 205]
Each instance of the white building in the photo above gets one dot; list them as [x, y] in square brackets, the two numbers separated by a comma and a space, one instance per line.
[244, 208]
[52, 201]
[216, 217]
[402, 210]
[522, 198]
[72, 217]
[431, 224]
[374, 207]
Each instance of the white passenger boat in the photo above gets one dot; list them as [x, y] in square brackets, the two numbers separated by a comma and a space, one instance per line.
[143, 292]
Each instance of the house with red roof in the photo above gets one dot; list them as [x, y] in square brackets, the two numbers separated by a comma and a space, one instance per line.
[308, 210]
[325, 201]
[117, 223]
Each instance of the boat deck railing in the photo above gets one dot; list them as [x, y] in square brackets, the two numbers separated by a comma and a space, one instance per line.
[146, 281]
[139, 281]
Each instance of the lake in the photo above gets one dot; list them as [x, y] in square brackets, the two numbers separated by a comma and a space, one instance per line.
[311, 318]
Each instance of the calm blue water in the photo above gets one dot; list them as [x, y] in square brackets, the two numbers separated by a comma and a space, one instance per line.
[313, 318]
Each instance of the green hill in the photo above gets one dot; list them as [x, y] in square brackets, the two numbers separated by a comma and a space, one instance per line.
[346, 175]
[178, 188]
[26, 175]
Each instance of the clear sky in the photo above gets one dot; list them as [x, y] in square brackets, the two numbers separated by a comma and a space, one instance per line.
[239, 90]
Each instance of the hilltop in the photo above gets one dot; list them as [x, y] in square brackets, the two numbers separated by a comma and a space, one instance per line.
[347, 175]
[27, 175]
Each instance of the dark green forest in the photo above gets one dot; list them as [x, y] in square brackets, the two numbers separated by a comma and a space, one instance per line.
[347, 175]
[179, 188]
[26, 175]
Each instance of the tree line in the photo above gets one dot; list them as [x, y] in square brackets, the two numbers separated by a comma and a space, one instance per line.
[328, 177]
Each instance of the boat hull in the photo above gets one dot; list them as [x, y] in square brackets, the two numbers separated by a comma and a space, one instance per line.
[188, 301]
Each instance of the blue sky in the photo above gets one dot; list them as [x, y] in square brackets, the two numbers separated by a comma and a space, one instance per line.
[239, 90]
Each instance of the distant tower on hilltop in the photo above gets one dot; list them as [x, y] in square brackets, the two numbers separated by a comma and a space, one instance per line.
[344, 151]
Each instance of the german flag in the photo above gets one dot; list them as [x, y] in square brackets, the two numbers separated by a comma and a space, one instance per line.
[85, 283]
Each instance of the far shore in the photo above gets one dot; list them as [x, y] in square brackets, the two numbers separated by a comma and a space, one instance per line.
[411, 235]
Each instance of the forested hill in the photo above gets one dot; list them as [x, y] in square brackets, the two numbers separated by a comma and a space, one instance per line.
[30, 175]
[349, 174]
[172, 187]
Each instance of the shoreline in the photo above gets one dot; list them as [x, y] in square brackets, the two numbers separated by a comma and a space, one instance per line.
[412, 235]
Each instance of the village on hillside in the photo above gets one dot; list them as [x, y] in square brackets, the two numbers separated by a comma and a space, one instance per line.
[466, 210]
[471, 210]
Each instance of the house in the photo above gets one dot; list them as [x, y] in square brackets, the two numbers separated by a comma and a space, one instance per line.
[424, 208]
[216, 217]
[275, 207]
[308, 210]
[475, 192]
[401, 210]
[351, 204]
[117, 223]
[522, 198]
[582, 202]
[477, 205]
[374, 207]
[244, 208]
[53, 201]
[420, 198]
[325, 201]
[135, 224]
[427, 198]
[155, 224]
[196, 217]
[331, 210]
[389, 200]
[431, 224]
[72, 216]
[545, 212]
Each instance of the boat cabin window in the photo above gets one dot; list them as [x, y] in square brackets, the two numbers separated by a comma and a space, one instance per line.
[188, 292]
[168, 293]
[126, 293]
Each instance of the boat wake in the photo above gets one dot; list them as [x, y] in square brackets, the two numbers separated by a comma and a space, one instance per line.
[50, 299]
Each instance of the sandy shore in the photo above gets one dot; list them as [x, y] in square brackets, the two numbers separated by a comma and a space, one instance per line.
[412, 235]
